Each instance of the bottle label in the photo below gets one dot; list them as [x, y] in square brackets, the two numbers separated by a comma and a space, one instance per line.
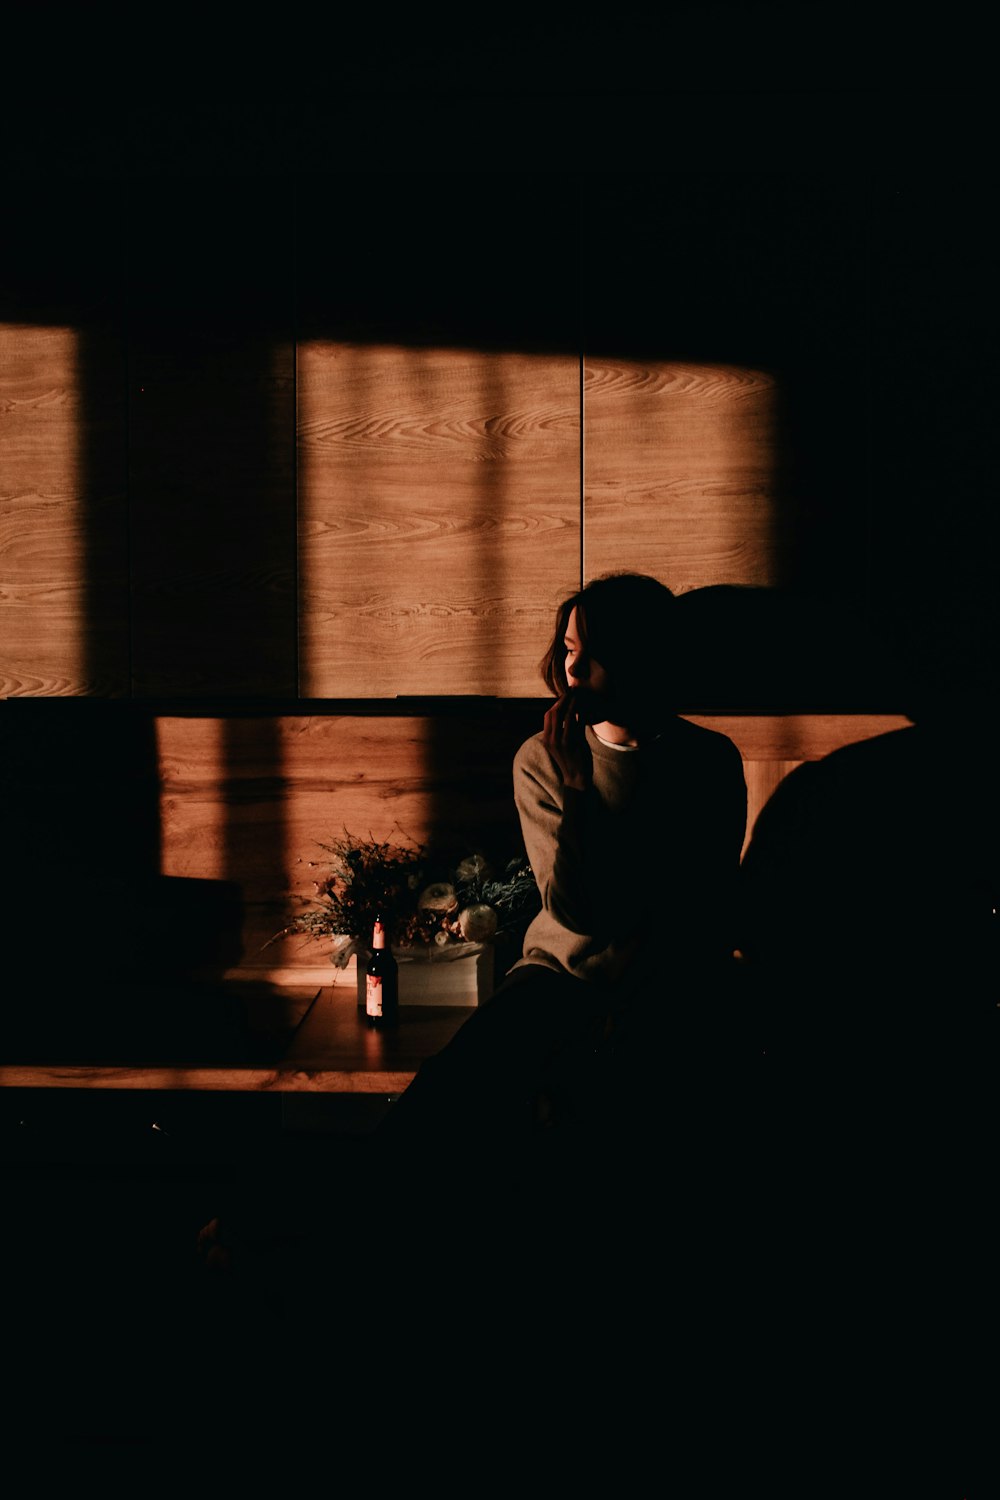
[373, 995]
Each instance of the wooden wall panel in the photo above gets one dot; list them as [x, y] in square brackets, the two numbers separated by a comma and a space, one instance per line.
[749, 421]
[250, 800]
[797, 737]
[439, 505]
[63, 523]
[680, 465]
[198, 832]
[772, 745]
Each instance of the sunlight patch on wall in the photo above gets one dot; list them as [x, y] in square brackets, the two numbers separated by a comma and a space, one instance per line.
[42, 513]
[193, 778]
[438, 517]
[681, 472]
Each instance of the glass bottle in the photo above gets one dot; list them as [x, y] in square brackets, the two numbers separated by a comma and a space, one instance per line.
[381, 981]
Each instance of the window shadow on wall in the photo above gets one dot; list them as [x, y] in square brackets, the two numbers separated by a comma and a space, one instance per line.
[184, 300]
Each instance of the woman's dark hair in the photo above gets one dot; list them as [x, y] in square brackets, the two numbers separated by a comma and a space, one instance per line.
[623, 619]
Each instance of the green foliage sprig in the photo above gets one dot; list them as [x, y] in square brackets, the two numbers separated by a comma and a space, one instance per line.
[423, 898]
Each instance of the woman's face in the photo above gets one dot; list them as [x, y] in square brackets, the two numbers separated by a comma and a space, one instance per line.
[585, 677]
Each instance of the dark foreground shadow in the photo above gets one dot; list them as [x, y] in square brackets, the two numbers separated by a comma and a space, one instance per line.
[869, 892]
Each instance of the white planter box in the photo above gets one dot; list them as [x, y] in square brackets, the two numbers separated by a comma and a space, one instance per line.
[461, 975]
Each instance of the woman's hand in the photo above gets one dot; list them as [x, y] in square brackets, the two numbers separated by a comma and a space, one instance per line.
[564, 737]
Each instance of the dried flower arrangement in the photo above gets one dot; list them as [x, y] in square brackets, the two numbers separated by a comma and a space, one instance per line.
[426, 900]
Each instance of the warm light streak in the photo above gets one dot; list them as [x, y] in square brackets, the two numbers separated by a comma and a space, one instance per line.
[438, 505]
[192, 772]
[42, 522]
[681, 472]
[438, 516]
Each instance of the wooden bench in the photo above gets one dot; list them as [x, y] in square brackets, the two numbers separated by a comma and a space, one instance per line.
[234, 806]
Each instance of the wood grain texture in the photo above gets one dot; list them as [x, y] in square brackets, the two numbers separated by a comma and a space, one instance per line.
[204, 833]
[239, 1079]
[63, 521]
[778, 737]
[680, 476]
[257, 798]
[439, 517]
[772, 745]
[250, 801]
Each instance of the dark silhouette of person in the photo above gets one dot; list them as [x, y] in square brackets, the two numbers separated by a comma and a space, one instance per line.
[562, 1088]
[868, 898]
[869, 931]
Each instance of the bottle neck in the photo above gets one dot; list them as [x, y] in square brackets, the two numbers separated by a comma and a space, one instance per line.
[378, 936]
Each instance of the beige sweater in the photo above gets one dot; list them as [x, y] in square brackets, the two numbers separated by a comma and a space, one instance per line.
[637, 874]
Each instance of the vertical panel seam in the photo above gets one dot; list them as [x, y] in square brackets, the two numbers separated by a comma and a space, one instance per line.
[296, 560]
[129, 528]
[582, 477]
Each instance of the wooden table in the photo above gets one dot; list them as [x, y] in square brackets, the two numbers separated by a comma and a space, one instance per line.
[332, 1050]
